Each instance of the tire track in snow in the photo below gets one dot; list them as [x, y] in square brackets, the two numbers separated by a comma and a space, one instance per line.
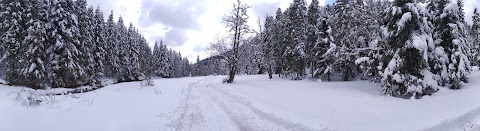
[206, 107]
[267, 116]
[243, 113]
[463, 121]
[216, 118]
[185, 116]
[196, 112]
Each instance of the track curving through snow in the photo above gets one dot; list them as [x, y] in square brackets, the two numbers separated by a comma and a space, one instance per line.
[205, 106]
[462, 123]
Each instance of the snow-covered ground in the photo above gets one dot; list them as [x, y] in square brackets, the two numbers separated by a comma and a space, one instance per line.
[252, 103]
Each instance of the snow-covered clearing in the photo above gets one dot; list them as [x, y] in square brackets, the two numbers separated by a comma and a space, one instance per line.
[252, 103]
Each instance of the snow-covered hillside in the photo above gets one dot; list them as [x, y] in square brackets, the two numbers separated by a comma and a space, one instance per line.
[252, 103]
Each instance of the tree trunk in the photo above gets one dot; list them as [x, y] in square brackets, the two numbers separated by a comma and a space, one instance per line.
[312, 69]
[328, 76]
[231, 75]
[270, 71]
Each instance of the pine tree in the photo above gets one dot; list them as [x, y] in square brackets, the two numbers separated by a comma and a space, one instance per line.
[438, 60]
[100, 45]
[85, 26]
[345, 32]
[324, 50]
[13, 37]
[133, 54]
[165, 61]
[369, 35]
[451, 35]
[178, 67]
[156, 59]
[3, 28]
[312, 36]
[64, 56]
[279, 41]
[111, 33]
[198, 67]
[269, 45]
[122, 52]
[171, 63]
[461, 13]
[146, 59]
[407, 74]
[34, 73]
[476, 37]
[187, 68]
[294, 55]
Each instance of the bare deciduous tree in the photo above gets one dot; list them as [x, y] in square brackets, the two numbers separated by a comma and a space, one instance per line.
[236, 21]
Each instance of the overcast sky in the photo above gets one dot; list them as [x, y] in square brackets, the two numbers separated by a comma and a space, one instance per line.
[189, 26]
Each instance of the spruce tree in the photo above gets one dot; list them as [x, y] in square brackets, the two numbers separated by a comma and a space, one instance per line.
[3, 28]
[451, 35]
[100, 44]
[146, 59]
[165, 61]
[312, 36]
[438, 59]
[13, 37]
[112, 46]
[34, 73]
[269, 45]
[122, 52]
[85, 37]
[346, 32]
[325, 50]
[198, 67]
[406, 74]
[64, 56]
[294, 55]
[156, 59]
[476, 37]
[133, 53]
[279, 41]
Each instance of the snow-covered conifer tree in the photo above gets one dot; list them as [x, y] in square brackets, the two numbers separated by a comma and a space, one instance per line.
[111, 33]
[312, 30]
[325, 50]
[476, 37]
[451, 35]
[133, 54]
[407, 74]
[269, 45]
[64, 56]
[100, 45]
[13, 38]
[34, 73]
[85, 37]
[294, 55]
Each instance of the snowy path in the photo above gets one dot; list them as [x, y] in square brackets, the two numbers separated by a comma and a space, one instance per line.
[207, 107]
[466, 122]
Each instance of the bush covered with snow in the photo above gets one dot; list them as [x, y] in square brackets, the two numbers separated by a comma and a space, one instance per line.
[30, 97]
[147, 82]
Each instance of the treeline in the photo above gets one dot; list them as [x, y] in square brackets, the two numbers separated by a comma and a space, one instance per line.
[410, 48]
[214, 65]
[64, 43]
[167, 63]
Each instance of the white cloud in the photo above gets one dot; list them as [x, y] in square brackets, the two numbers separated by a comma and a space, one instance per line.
[128, 9]
[188, 26]
[469, 7]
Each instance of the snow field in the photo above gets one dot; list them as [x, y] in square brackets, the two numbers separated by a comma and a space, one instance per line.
[251, 103]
